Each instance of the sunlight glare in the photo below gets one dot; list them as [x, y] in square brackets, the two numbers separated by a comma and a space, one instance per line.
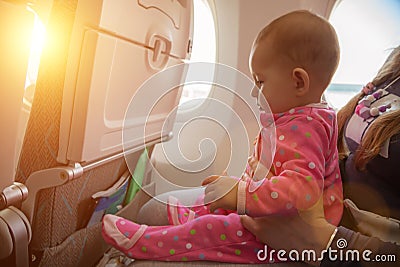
[37, 43]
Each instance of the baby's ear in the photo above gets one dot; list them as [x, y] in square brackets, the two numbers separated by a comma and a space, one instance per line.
[301, 80]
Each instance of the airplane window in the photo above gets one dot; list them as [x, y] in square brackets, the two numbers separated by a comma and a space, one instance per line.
[38, 36]
[203, 50]
[367, 32]
[37, 43]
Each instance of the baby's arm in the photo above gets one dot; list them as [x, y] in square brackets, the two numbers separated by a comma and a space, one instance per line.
[259, 170]
[221, 191]
[300, 167]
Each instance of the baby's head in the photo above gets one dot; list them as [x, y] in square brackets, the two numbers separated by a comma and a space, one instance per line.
[293, 59]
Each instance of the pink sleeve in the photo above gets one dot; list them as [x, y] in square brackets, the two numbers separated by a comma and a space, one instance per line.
[299, 165]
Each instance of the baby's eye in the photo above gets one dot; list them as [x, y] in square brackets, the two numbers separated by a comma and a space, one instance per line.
[259, 84]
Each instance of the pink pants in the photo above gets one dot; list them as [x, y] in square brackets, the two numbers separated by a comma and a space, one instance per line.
[200, 236]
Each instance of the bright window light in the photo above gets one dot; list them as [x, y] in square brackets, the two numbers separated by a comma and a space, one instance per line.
[203, 49]
[367, 31]
[37, 42]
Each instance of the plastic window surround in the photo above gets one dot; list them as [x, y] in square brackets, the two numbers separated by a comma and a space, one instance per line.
[204, 49]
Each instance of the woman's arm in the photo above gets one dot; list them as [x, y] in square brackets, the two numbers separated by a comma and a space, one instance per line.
[299, 231]
[350, 248]
[309, 231]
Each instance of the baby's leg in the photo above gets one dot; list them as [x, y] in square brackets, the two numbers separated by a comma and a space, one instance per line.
[180, 214]
[154, 212]
[210, 237]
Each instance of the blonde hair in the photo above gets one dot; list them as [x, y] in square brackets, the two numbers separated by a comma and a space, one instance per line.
[308, 40]
[384, 126]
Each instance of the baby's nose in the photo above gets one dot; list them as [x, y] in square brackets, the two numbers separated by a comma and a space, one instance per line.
[254, 91]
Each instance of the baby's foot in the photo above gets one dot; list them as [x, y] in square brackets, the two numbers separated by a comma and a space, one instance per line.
[177, 213]
[121, 233]
[200, 208]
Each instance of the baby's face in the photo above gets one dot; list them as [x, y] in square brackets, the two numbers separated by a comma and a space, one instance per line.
[273, 78]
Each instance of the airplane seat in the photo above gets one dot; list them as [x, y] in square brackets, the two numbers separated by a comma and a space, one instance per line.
[97, 54]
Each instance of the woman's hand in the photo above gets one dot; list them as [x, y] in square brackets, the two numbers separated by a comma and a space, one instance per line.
[221, 192]
[299, 231]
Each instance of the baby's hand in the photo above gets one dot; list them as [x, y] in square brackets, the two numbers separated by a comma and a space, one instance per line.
[259, 170]
[221, 192]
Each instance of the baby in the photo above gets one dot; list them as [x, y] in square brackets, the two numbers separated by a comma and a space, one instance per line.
[292, 62]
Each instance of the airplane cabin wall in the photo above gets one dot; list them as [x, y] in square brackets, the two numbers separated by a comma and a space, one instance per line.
[237, 24]
[176, 162]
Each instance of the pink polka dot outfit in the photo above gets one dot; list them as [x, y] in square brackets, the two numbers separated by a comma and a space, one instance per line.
[305, 166]
[209, 238]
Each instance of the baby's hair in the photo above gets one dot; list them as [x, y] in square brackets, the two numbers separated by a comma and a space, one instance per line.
[308, 40]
